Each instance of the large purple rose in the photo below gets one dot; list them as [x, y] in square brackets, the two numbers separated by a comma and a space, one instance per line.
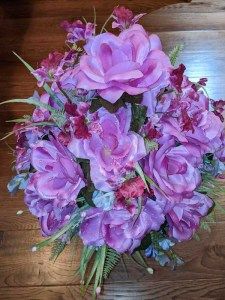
[132, 62]
[120, 229]
[184, 218]
[51, 217]
[112, 149]
[58, 178]
[174, 168]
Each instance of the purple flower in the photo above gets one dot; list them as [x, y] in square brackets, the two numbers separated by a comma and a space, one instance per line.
[51, 217]
[174, 168]
[184, 218]
[78, 31]
[56, 219]
[26, 139]
[124, 18]
[58, 178]
[120, 229]
[112, 150]
[49, 69]
[41, 114]
[132, 62]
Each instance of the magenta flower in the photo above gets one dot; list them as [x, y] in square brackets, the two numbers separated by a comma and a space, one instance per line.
[124, 18]
[120, 229]
[78, 31]
[133, 63]
[111, 147]
[49, 69]
[184, 218]
[58, 177]
[174, 168]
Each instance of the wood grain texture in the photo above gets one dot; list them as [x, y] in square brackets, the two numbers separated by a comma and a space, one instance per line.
[31, 28]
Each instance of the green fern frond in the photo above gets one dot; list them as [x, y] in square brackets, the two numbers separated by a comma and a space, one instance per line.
[57, 248]
[111, 260]
[211, 187]
[174, 54]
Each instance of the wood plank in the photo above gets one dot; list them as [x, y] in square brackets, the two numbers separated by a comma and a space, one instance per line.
[185, 289]
[200, 55]
[21, 267]
[44, 293]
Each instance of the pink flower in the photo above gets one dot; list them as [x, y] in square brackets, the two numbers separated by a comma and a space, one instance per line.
[50, 68]
[176, 77]
[133, 63]
[184, 218]
[219, 107]
[112, 150]
[58, 177]
[174, 168]
[78, 31]
[132, 188]
[124, 18]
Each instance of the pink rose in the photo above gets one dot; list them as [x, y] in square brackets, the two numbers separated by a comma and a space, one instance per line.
[132, 62]
[174, 168]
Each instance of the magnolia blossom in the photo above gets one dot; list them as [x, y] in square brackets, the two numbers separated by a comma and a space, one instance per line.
[58, 177]
[120, 229]
[112, 149]
[132, 62]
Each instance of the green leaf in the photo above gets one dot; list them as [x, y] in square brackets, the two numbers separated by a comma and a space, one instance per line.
[140, 172]
[57, 249]
[57, 115]
[111, 260]
[138, 116]
[174, 54]
[27, 126]
[145, 243]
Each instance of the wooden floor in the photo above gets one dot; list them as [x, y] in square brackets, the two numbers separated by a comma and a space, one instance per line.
[31, 29]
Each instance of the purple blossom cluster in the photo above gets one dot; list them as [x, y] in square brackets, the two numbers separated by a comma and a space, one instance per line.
[102, 145]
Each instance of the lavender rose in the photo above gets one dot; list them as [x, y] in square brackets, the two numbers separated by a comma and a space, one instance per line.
[51, 217]
[121, 229]
[184, 218]
[132, 62]
[58, 178]
[173, 168]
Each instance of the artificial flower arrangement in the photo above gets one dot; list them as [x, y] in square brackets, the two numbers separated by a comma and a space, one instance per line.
[122, 150]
